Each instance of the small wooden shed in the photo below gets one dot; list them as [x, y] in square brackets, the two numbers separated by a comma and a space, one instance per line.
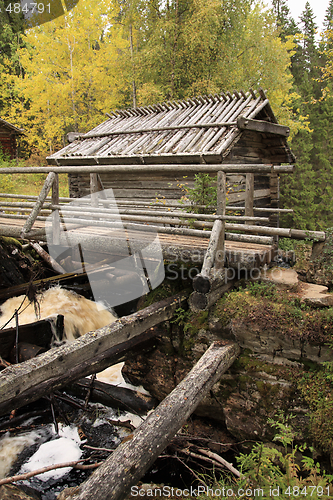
[8, 138]
[238, 128]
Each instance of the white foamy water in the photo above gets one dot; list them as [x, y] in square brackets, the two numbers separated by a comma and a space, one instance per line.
[80, 314]
[66, 448]
[11, 447]
[113, 376]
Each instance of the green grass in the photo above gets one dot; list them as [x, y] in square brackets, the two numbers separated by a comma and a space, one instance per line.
[27, 184]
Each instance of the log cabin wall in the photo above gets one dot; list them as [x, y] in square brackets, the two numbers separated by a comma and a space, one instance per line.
[7, 143]
[8, 138]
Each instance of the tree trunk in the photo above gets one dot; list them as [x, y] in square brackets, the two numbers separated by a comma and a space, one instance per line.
[132, 458]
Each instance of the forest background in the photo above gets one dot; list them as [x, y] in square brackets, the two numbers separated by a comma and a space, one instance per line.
[66, 74]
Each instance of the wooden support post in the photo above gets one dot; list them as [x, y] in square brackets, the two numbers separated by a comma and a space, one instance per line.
[214, 257]
[38, 205]
[128, 463]
[249, 194]
[203, 301]
[55, 213]
[221, 205]
[213, 248]
[94, 189]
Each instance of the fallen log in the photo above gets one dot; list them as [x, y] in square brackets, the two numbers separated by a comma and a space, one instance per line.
[91, 353]
[113, 396]
[128, 463]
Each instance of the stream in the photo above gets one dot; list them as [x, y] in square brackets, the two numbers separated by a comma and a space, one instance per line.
[22, 451]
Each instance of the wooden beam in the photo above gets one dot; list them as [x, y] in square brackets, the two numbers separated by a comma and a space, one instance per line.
[26, 382]
[158, 168]
[129, 462]
[159, 129]
[249, 195]
[262, 126]
[55, 214]
[221, 206]
[212, 248]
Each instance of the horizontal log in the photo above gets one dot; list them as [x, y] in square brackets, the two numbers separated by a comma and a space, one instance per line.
[15, 232]
[262, 126]
[298, 234]
[103, 212]
[217, 278]
[94, 351]
[181, 168]
[272, 231]
[128, 463]
[250, 238]
[159, 129]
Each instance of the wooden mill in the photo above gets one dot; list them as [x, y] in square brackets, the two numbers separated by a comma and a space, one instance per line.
[149, 157]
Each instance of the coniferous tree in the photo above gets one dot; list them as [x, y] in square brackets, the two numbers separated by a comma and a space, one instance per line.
[313, 178]
[11, 30]
[285, 21]
[328, 21]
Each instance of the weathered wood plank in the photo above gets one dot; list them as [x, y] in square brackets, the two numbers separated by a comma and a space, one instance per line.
[28, 381]
[128, 463]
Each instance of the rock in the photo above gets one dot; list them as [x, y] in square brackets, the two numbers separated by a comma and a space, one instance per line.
[312, 294]
[316, 295]
[281, 276]
[272, 343]
[12, 492]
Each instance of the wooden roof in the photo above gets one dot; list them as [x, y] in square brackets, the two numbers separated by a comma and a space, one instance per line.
[201, 129]
[11, 128]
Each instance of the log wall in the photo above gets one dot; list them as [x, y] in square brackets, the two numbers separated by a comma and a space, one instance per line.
[166, 188]
[8, 142]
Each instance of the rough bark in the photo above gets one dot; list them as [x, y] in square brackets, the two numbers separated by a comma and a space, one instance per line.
[132, 458]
